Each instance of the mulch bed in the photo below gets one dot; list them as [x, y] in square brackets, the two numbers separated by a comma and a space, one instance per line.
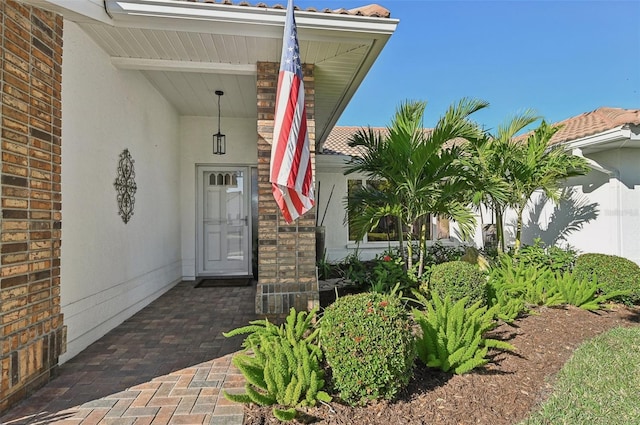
[503, 392]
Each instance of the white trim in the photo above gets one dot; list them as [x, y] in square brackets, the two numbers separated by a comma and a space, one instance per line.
[201, 169]
[613, 135]
[233, 14]
[183, 66]
[394, 244]
[77, 11]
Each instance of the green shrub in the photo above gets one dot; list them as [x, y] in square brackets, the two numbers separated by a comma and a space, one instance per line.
[457, 279]
[388, 272]
[452, 335]
[613, 274]
[552, 257]
[355, 270]
[508, 305]
[439, 253]
[368, 343]
[284, 365]
[561, 258]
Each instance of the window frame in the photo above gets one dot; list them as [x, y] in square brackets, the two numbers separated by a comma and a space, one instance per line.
[351, 243]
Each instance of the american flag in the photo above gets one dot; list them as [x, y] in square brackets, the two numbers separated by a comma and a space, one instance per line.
[291, 174]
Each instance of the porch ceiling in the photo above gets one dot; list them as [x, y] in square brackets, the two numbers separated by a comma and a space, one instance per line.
[187, 67]
[188, 50]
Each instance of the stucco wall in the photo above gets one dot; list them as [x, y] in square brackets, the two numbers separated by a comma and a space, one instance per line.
[604, 209]
[196, 148]
[629, 166]
[610, 208]
[602, 215]
[336, 233]
[111, 269]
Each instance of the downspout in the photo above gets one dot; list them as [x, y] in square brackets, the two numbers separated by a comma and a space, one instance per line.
[611, 172]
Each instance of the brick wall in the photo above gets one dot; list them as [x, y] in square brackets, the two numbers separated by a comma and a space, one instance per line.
[286, 253]
[32, 334]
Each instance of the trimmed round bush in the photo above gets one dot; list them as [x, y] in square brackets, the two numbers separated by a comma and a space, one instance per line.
[613, 274]
[458, 279]
[369, 345]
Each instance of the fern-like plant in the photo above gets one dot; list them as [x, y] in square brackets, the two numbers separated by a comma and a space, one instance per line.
[584, 292]
[284, 365]
[452, 335]
[528, 285]
[501, 298]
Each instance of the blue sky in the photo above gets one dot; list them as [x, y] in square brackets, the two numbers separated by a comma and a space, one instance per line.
[560, 58]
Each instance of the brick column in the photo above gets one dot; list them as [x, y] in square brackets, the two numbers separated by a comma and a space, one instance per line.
[286, 253]
[32, 335]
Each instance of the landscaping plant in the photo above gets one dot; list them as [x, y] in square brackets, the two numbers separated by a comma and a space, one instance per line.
[424, 172]
[355, 270]
[613, 274]
[508, 170]
[457, 279]
[284, 365]
[452, 334]
[368, 343]
[553, 257]
[582, 293]
[439, 253]
[389, 273]
[506, 302]
[532, 285]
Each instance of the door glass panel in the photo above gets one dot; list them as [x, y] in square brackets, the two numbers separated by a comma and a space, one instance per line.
[236, 216]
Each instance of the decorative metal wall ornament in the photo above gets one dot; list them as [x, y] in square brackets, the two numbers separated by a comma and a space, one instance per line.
[125, 185]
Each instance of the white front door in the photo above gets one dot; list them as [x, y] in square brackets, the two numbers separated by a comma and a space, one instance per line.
[223, 221]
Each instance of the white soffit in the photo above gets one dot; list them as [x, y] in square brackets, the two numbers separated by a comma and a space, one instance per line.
[188, 50]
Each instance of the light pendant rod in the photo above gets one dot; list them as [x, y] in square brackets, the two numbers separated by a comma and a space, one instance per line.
[219, 139]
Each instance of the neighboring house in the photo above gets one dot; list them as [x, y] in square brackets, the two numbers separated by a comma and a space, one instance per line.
[601, 215]
[87, 84]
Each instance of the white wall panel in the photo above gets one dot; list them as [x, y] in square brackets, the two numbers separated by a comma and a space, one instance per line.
[110, 270]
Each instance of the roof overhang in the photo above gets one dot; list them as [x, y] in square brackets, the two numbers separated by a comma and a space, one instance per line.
[624, 136]
[188, 50]
[234, 19]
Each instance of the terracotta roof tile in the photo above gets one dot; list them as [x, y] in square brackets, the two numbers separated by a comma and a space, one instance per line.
[337, 143]
[371, 10]
[589, 123]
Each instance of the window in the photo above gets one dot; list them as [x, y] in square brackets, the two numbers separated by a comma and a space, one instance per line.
[223, 179]
[387, 228]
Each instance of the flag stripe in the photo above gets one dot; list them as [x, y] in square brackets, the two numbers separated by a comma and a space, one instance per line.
[291, 173]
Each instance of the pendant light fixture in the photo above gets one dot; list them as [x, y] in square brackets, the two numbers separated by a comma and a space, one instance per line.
[219, 139]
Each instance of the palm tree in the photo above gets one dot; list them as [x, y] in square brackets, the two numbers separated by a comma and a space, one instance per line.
[489, 160]
[425, 175]
[537, 166]
[508, 170]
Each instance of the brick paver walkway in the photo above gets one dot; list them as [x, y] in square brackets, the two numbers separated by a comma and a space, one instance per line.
[167, 364]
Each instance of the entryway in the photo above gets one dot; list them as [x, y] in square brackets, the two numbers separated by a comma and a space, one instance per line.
[164, 363]
[223, 221]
